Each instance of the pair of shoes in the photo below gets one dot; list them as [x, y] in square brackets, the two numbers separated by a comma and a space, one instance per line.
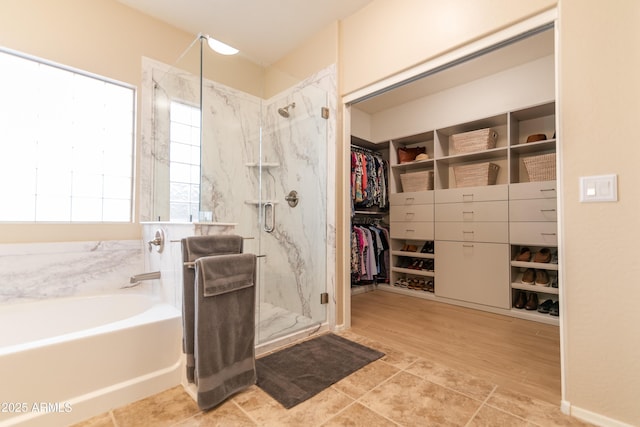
[428, 247]
[543, 255]
[409, 248]
[428, 265]
[529, 302]
[524, 255]
[545, 306]
[535, 277]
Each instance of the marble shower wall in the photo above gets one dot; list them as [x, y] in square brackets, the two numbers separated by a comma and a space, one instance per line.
[35, 271]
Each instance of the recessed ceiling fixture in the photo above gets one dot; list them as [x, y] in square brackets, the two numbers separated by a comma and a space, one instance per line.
[218, 46]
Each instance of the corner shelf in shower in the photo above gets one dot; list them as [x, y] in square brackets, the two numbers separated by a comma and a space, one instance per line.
[265, 165]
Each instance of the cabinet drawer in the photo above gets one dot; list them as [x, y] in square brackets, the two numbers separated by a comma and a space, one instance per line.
[411, 213]
[473, 194]
[533, 210]
[533, 190]
[497, 232]
[411, 230]
[411, 198]
[534, 233]
[473, 211]
[473, 272]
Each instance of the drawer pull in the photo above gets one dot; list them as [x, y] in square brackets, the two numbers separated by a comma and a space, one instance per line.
[547, 210]
[467, 231]
[548, 234]
[409, 199]
[467, 212]
[469, 196]
[467, 246]
[547, 189]
[409, 231]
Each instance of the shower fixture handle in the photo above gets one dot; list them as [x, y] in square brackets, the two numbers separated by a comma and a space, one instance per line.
[158, 241]
[269, 228]
[292, 198]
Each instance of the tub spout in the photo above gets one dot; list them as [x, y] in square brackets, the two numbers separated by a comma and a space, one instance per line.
[144, 276]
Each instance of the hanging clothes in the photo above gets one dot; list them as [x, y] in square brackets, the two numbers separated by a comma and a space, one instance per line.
[369, 179]
[369, 253]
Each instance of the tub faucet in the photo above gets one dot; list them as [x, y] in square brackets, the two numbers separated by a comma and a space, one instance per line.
[144, 276]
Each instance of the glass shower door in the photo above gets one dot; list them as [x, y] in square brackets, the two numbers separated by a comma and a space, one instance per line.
[293, 215]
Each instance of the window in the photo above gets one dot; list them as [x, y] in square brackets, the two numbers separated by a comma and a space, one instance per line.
[184, 162]
[66, 144]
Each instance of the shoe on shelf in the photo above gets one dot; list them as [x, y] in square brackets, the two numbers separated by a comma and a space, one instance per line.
[532, 302]
[529, 276]
[554, 258]
[555, 309]
[521, 299]
[545, 306]
[543, 255]
[429, 286]
[524, 255]
[411, 248]
[542, 278]
[428, 247]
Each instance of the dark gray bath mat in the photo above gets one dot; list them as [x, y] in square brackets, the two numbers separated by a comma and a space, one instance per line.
[295, 374]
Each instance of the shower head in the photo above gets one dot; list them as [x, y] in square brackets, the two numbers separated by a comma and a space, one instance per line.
[284, 111]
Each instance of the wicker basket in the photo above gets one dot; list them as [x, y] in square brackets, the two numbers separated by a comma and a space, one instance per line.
[476, 140]
[541, 167]
[476, 175]
[417, 181]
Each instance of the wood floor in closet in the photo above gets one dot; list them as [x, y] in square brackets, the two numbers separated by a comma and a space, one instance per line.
[518, 354]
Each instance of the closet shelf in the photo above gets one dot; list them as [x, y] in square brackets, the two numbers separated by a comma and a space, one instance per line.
[534, 288]
[371, 213]
[534, 147]
[535, 265]
[418, 164]
[413, 254]
[534, 315]
[490, 154]
[425, 273]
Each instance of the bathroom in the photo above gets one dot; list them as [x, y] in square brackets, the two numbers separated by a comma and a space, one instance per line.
[107, 38]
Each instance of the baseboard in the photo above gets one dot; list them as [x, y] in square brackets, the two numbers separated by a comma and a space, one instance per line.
[590, 417]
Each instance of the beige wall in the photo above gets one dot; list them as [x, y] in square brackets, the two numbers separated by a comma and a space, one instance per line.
[600, 108]
[109, 39]
[388, 36]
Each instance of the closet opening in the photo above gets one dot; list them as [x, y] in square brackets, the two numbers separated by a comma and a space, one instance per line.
[454, 214]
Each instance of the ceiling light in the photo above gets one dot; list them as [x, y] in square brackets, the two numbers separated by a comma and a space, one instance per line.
[221, 48]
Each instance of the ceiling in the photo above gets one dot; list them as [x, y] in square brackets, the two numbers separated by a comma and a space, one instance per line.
[263, 30]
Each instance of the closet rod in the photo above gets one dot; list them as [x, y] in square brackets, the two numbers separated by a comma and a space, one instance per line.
[365, 150]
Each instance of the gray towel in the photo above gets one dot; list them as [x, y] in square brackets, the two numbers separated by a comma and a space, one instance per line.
[193, 248]
[224, 327]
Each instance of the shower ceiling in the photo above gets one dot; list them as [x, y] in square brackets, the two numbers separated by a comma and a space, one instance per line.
[263, 30]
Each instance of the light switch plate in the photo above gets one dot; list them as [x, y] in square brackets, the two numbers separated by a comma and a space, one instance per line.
[600, 188]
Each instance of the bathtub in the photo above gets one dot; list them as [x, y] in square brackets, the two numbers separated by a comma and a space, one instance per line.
[68, 359]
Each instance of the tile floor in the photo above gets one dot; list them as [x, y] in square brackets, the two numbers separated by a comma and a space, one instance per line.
[398, 390]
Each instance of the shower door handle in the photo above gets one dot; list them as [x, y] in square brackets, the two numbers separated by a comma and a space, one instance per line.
[269, 228]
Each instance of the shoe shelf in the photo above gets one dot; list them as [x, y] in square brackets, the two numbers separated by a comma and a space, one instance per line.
[535, 288]
[426, 273]
[535, 265]
[413, 254]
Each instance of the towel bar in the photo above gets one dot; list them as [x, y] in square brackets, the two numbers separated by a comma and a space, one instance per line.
[192, 264]
[179, 240]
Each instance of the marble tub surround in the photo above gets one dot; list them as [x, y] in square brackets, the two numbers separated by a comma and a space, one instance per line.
[400, 389]
[34, 271]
